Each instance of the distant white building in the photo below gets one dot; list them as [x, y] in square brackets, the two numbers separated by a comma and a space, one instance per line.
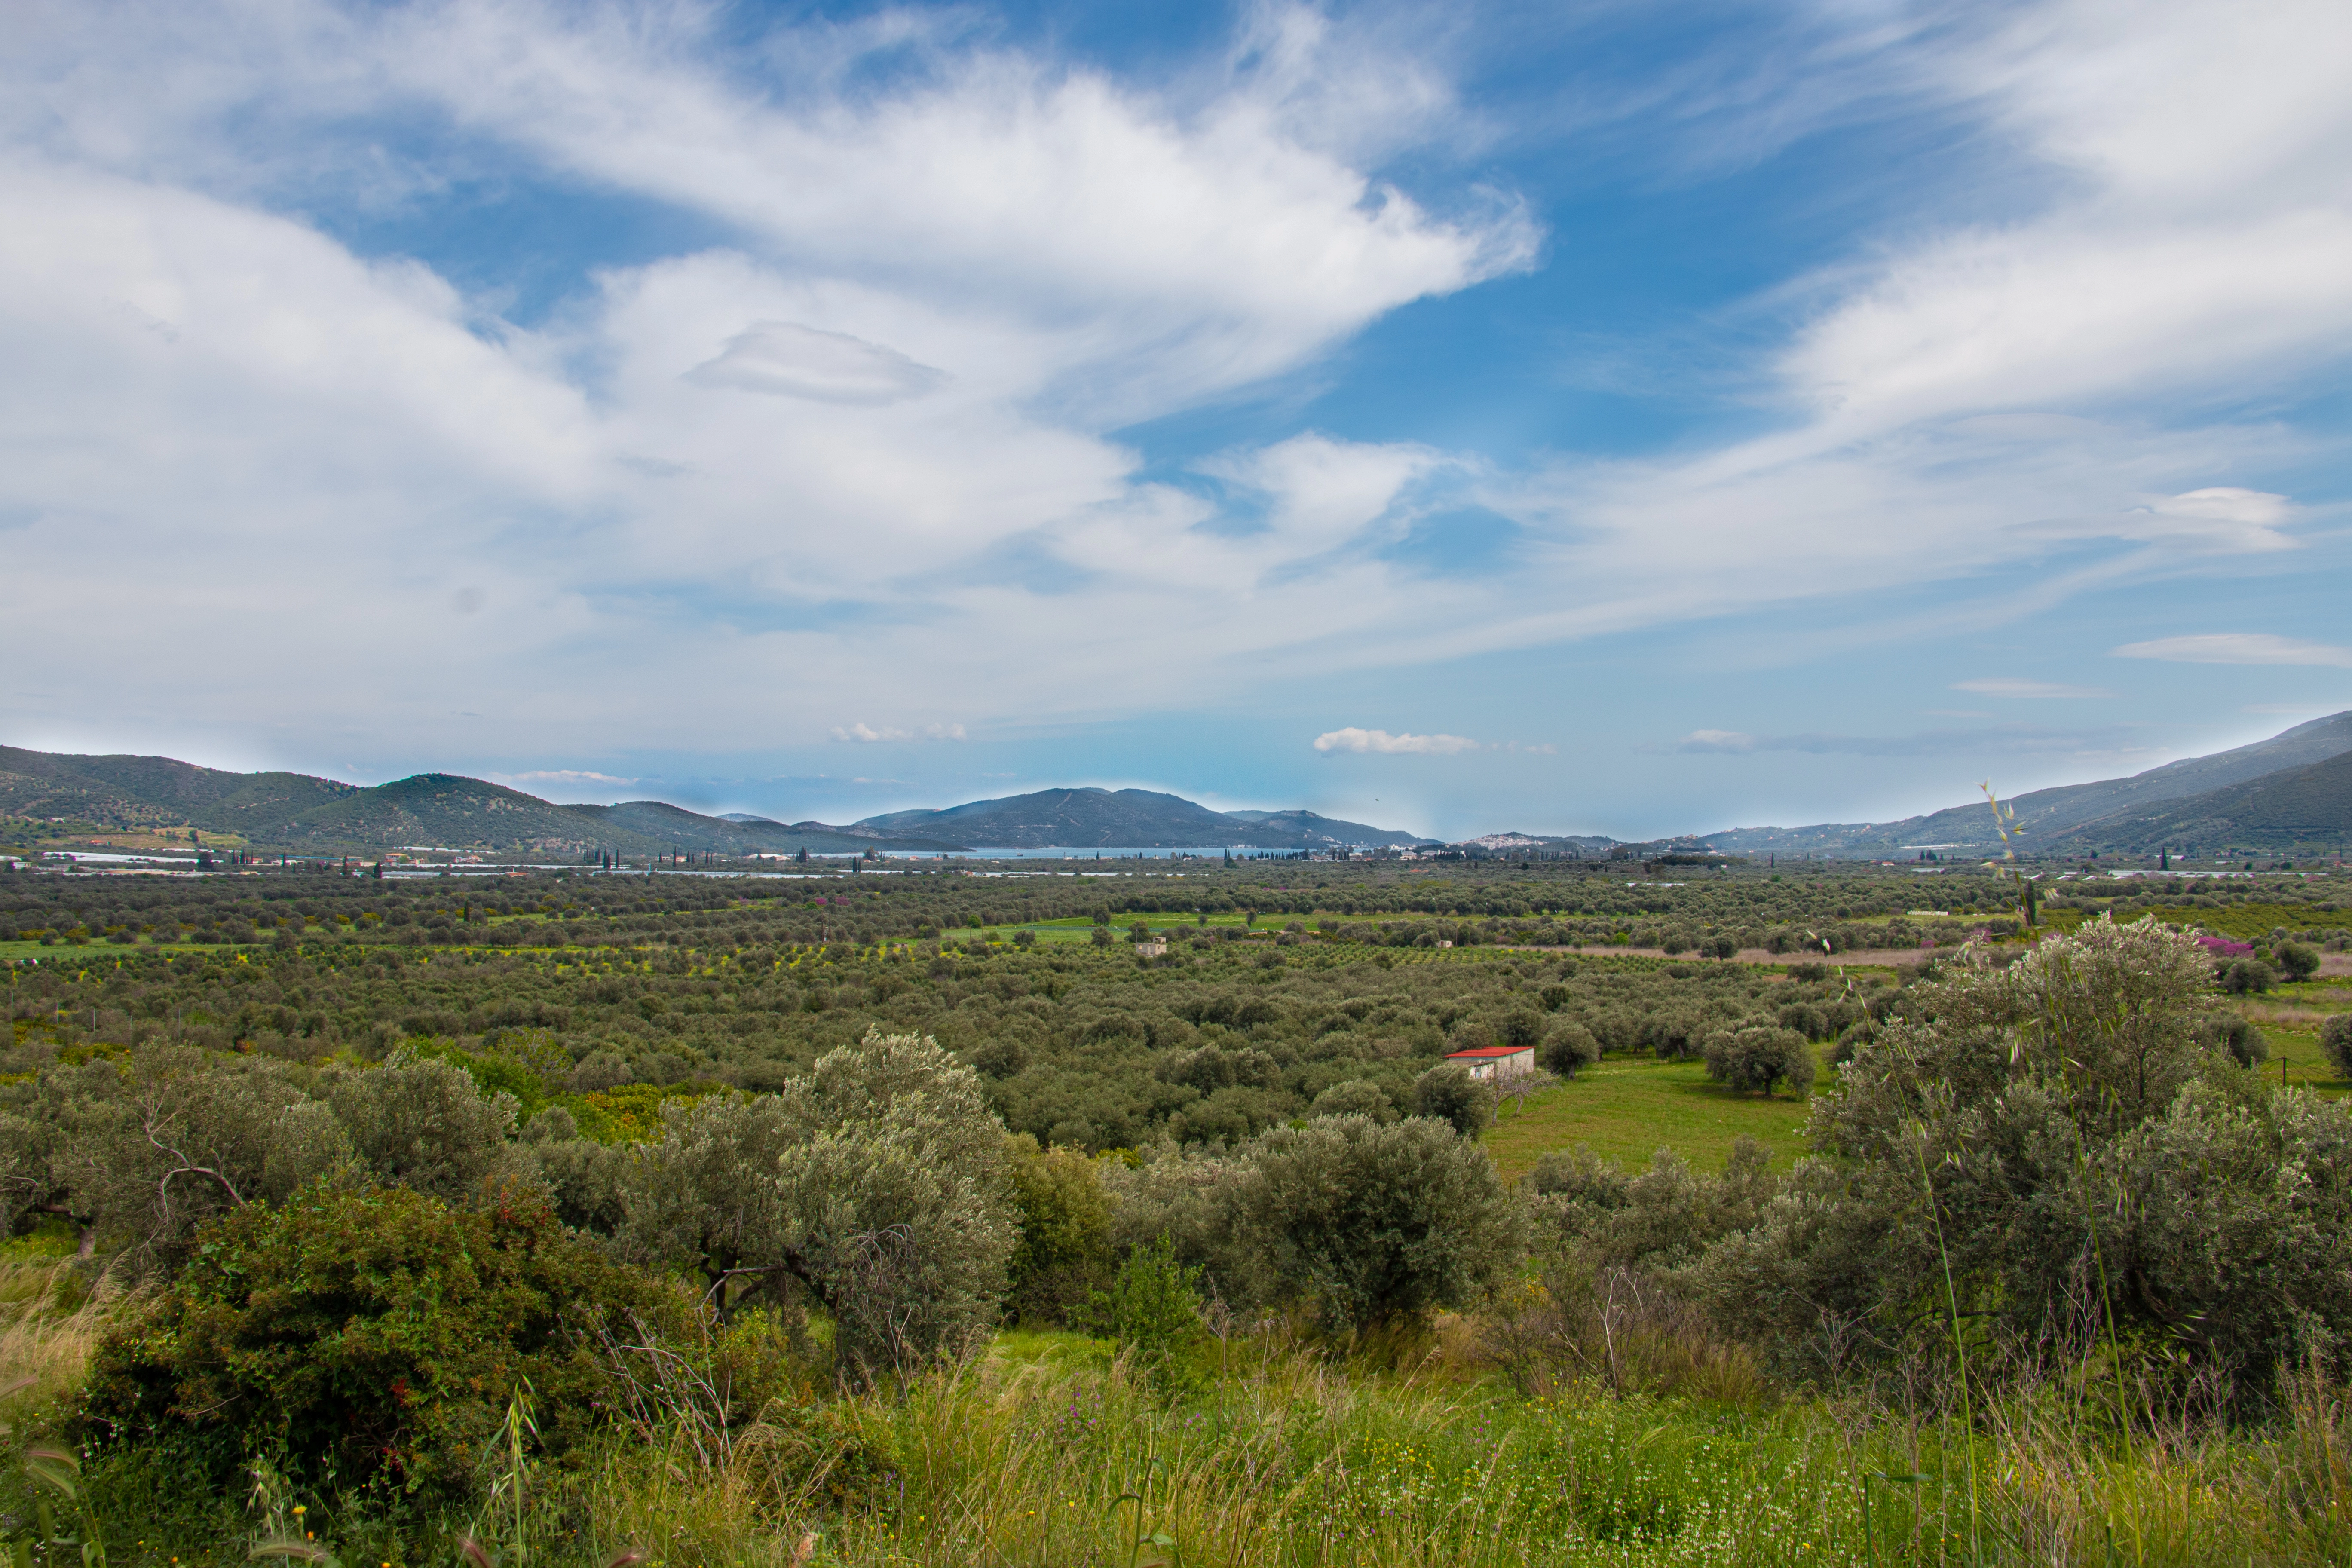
[1157, 947]
[1494, 1062]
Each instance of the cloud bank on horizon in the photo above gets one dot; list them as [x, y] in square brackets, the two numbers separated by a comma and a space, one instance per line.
[660, 396]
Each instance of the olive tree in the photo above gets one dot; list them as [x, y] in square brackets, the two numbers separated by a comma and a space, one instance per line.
[419, 1122]
[2336, 1039]
[2057, 1150]
[143, 1154]
[1448, 1093]
[1372, 1222]
[1756, 1059]
[877, 1184]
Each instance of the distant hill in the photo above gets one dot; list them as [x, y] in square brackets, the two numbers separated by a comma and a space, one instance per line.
[1580, 846]
[2051, 815]
[1127, 818]
[2290, 809]
[295, 811]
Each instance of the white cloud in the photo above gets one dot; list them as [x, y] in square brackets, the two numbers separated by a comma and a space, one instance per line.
[2239, 647]
[788, 360]
[867, 733]
[562, 776]
[1381, 742]
[1995, 686]
[1731, 740]
[959, 283]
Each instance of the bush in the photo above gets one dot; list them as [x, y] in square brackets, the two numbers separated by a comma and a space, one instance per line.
[425, 1124]
[1568, 1047]
[1064, 1248]
[2244, 1042]
[2296, 960]
[1150, 1314]
[1377, 1223]
[2247, 977]
[2336, 1039]
[1806, 1019]
[2025, 1120]
[1755, 1059]
[1355, 1097]
[1449, 1094]
[1849, 1043]
[877, 1183]
[374, 1336]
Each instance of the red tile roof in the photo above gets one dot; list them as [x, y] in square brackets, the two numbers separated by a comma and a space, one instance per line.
[1488, 1051]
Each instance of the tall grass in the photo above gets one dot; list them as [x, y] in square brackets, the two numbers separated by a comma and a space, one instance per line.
[1297, 1460]
[1407, 1451]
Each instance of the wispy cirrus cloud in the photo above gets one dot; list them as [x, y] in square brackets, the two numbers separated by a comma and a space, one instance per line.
[2029, 689]
[1381, 743]
[2103, 741]
[2239, 647]
[563, 776]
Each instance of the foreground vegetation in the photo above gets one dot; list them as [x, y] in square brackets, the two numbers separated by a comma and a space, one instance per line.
[685, 1240]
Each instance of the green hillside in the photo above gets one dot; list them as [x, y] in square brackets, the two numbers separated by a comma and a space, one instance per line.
[315, 816]
[2297, 809]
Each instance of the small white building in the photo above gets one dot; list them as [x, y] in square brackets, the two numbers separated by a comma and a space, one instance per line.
[1156, 948]
[1495, 1062]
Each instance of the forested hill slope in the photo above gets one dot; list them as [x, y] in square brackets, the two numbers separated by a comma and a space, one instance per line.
[1128, 818]
[298, 812]
[2308, 807]
[152, 792]
[2048, 814]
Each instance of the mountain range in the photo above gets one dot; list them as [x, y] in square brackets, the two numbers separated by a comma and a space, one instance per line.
[296, 811]
[2293, 790]
[2290, 790]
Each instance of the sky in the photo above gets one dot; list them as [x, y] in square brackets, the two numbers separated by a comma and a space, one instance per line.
[1620, 417]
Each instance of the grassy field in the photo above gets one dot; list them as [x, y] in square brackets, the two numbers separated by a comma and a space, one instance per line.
[1630, 1107]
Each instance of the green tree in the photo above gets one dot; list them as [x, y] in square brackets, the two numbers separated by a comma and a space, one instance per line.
[1568, 1049]
[1448, 1093]
[1374, 1223]
[1354, 1097]
[2336, 1039]
[1756, 1059]
[1065, 1250]
[877, 1184]
[1151, 1313]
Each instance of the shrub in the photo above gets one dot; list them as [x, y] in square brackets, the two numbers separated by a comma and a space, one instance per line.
[2336, 1039]
[2296, 960]
[1568, 1047]
[424, 1123]
[1448, 1093]
[1355, 1097]
[374, 1335]
[1851, 1042]
[1756, 1059]
[1377, 1223]
[877, 1183]
[2247, 977]
[1151, 1313]
[1806, 1019]
[1065, 1217]
[2028, 1122]
[2244, 1043]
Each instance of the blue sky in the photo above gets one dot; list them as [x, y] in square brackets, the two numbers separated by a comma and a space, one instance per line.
[1625, 418]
